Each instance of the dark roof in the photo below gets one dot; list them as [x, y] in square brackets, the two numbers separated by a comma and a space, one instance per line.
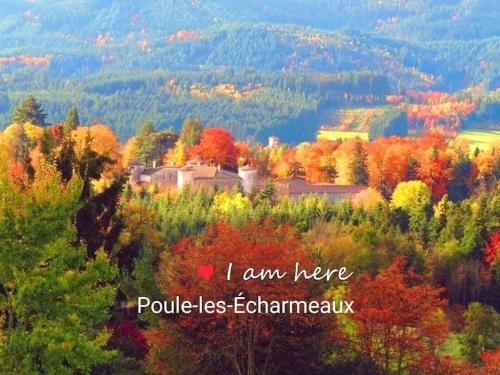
[226, 175]
[151, 171]
[134, 163]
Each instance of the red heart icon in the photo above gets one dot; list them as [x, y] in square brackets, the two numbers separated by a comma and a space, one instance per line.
[205, 270]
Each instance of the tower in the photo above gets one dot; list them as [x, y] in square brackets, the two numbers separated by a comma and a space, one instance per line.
[185, 176]
[248, 176]
[273, 141]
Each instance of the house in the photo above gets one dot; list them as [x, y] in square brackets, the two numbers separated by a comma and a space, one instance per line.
[199, 176]
[296, 188]
[196, 175]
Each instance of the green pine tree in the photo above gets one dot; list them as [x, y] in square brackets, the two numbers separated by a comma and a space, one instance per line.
[358, 168]
[295, 170]
[30, 111]
[72, 121]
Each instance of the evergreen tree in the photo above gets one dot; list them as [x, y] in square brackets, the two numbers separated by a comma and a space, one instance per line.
[481, 331]
[152, 146]
[461, 187]
[20, 143]
[331, 173]
[190, 133]
[295, 170]
[47, 145]
[30, 111]
[144, 145]
[358, 168]
[268, 192]
[66, 159]
[72, 121]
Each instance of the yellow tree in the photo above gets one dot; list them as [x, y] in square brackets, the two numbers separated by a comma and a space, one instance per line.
[102, 140]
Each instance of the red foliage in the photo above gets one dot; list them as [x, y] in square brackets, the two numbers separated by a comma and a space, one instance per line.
[216, 147]
[18, 175]
[127, 330]
[398, 319]
[57, 132]
[241, 341]
[435, 169]
[491, 248]
[430, 110]
[491, 362]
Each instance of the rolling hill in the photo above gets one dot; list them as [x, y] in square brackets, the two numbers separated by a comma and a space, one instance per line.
[113, 58]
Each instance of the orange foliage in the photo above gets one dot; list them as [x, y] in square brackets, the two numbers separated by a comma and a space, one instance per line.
[216, 147]
[315, 158]
[102, 140]
[399, 320]
[241, 340]
[387, 161]
[27, 60]
[430, 110]
[181, 35]
[245, 155]
[129, 150]
[18, 175]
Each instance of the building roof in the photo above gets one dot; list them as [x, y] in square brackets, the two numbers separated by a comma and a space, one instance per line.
[151, 171]
[247, 168]
[226, 175]
[303, 187]
[133, 163]
[204, 171]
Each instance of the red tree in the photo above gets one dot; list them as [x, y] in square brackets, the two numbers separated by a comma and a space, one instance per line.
[435, 170]
[399, 321]
[216, 147]
[491, 248]
[230, 342]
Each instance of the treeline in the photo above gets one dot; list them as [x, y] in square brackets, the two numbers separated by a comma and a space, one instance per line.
[266, 100]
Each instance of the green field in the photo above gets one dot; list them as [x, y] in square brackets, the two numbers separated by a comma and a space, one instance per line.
[333, 135]
[482, 139]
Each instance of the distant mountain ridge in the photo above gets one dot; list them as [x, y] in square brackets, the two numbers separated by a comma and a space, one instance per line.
[83, 52]
[402, 19]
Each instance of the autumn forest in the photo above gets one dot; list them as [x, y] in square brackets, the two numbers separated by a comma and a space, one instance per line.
[158, 150]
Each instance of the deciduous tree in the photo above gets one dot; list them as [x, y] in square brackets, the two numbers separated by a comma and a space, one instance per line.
[52, 300]
[237, 343]
[216, 147]
[399, 321]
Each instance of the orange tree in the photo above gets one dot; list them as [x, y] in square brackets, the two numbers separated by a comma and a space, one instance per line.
[399, 322]
[232, 342]
[216, 147]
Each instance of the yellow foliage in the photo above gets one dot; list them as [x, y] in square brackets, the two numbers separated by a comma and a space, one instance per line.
[367, 198]
[139, 225]
[103, 141]
[176, 156]
[33, 132]
[129, 152]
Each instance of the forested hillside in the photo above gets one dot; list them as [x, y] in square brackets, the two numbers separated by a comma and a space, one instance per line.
[250, 67]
